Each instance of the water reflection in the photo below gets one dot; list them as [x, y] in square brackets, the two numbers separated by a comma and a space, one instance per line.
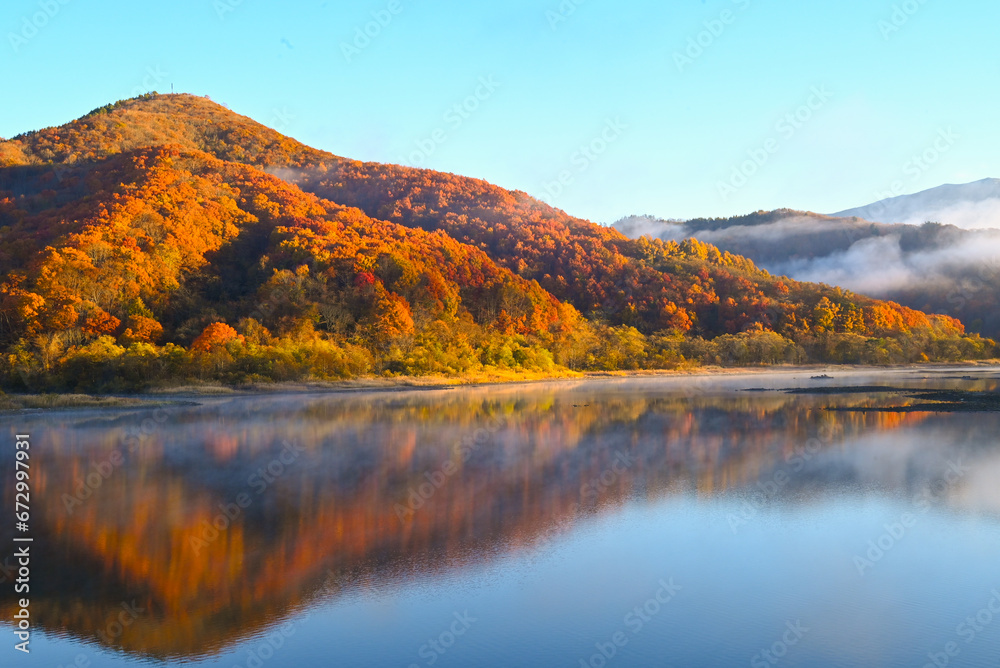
[227, 517]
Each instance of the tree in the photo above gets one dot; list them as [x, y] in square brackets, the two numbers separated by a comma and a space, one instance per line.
[217, 335]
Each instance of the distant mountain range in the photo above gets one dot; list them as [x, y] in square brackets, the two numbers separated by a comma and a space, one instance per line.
[970, 205]
[946, 262]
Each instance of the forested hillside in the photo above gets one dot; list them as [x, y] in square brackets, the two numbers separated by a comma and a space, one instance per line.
[930, 267]
[167, 239]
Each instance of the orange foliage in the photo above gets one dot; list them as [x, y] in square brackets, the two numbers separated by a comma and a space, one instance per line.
[216, 335]
[163, 201]
[141, 329]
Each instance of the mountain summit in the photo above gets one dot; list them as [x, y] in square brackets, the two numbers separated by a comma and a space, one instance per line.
[969, 205]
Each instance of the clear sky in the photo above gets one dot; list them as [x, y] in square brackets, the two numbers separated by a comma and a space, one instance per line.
[667, 120]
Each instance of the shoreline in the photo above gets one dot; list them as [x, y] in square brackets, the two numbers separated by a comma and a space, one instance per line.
[188, 394]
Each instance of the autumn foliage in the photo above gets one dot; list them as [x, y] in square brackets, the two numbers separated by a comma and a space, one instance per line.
[150, 232]
[215, 336]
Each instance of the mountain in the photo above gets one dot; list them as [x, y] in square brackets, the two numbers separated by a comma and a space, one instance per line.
[970, 205]
[930, 267]
[166, 238]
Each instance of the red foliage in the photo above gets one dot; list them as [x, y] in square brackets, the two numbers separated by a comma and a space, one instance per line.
[215, 336]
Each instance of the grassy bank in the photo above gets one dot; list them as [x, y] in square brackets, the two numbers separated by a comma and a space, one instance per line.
[17, 402]
[169, 394]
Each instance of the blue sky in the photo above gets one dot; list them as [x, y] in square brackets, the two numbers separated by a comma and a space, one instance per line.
[668, 127]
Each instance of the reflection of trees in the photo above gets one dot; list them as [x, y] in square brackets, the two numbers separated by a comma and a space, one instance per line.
[334, 511]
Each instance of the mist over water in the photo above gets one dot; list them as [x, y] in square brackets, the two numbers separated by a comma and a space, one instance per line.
[534, 519]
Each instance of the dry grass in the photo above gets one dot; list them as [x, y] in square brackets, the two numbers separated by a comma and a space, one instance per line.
[14, 402]
[10, 402]
[374, 383]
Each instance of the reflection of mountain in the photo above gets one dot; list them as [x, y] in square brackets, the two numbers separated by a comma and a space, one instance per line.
[331, 519]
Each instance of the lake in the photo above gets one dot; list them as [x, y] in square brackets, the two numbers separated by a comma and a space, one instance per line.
[651, 521]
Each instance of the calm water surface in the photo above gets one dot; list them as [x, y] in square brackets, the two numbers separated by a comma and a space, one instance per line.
[619, 522]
